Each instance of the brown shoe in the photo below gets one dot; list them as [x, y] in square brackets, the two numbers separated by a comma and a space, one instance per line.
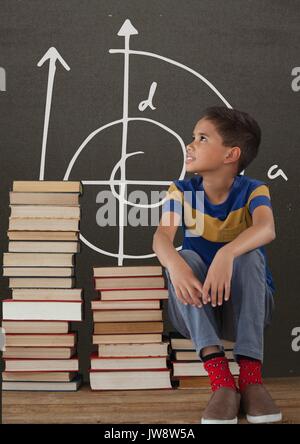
[259, 406]
[222, 408]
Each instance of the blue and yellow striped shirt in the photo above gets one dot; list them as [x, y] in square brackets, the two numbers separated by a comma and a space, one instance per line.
[223, 222]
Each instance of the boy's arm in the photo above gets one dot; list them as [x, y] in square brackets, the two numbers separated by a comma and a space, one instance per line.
[260, 233]
[163, 240]
[187, 286]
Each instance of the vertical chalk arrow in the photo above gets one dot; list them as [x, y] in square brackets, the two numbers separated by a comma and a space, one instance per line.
[126, 30]
[52, 55]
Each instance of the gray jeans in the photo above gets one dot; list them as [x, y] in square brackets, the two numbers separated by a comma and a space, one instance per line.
[242, 319]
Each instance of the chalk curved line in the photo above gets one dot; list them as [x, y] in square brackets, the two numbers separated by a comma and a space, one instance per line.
[174, 62]
[85, 142]
[182, 174]
[120, 198]
[180, 65]
[108, 253]
[116, 122]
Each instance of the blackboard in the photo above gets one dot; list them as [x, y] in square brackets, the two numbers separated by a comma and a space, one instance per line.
[188, 55]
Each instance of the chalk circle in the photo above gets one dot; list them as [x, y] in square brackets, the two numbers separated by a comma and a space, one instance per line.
[112, 186]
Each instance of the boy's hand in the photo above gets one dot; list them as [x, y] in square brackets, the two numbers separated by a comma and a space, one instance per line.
[187, 286]
[218, 279]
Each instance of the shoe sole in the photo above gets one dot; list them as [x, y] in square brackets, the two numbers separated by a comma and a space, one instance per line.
[264, 418]
[219, 421]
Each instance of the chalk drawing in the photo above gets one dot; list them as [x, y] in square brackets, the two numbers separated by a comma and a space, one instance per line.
[149, 102]
[53, 56]
[126, 31]
[272, 175]
[2, 79]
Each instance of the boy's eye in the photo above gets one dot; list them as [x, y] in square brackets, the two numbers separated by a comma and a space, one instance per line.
[200, 138]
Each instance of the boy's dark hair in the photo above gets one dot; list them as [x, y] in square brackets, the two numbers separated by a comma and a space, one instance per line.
[237, 128]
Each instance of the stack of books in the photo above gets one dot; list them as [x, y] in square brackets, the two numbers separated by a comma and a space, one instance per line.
[187, 369]
[128, 329]
[43, 237]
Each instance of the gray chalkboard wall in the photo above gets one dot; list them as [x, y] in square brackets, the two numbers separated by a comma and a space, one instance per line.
[247, 50]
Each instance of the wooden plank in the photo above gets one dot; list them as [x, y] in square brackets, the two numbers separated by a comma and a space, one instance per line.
[126, 407]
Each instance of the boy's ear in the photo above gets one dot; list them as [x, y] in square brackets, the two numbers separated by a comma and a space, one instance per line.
[234, 154]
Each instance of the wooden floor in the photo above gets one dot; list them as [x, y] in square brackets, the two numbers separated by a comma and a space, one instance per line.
[133, 407]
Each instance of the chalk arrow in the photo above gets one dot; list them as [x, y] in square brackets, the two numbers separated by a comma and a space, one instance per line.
[127, 29]
[53, 56]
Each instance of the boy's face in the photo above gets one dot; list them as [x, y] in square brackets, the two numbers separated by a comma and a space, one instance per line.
[206, 152]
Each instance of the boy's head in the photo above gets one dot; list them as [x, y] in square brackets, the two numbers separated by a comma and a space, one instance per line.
[223, 138]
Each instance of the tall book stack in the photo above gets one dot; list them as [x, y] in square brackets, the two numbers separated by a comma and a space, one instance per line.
[187, 370]
[43, 240]
[128, 329]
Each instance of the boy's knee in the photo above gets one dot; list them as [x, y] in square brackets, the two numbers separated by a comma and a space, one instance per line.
[190, 256]
[252, 260]
[193, 260]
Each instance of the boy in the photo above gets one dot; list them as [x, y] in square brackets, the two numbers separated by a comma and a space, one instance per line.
[220, 286]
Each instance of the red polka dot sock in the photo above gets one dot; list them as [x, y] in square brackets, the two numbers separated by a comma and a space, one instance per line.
[219, 373]
[250, 372]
